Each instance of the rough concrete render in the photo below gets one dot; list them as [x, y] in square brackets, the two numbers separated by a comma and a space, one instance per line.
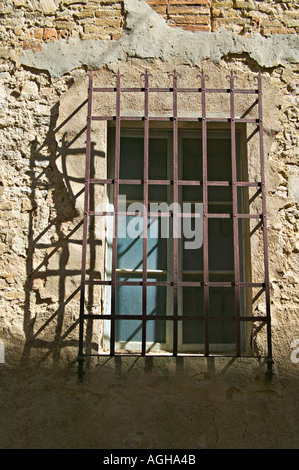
[46, 50]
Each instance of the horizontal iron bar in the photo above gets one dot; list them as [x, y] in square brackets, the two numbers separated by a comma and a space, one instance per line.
[170, 89]
[150, 354]
[170, 119]
[230, 215]
[179, 283]
[211, 215]
[179, 182]
[171, 317]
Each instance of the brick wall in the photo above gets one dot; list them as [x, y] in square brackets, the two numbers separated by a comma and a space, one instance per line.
[241, 16]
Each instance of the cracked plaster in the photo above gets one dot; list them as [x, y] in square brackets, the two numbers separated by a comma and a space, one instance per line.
[147, 36]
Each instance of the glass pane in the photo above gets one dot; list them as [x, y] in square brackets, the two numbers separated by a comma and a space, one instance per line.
[157, 246]
[219, 195]
[129, 242]
[191, 163]
[222, 333]
[157, 193]
[219, 159]
[191, 193]
[128, 299]
[127, 331]
[222, 304]
[156, 331]
[131, 192]
[156, 300]
[131, 158]
[221, 253]
[192, 258]
[193, 332]
[192, 300]
[157, 159]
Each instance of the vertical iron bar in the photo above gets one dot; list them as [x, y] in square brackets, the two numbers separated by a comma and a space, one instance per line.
[235, 214]
[264, 218]
[85, 230]
[205, 212]
[145, 207]
[175, 213]
[116, 194]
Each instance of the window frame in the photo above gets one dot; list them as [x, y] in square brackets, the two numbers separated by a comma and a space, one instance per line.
[188, 131]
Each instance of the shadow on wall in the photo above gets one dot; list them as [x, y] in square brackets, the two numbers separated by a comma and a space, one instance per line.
[51, 314]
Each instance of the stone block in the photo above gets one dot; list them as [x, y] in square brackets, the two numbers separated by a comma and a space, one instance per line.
[189, 2]
[194, 27]
[38, 33]
[191, 19]
[47, 6]
[292, 23]
[157, 2]
[107, 13]
[30, 88]
[4, 52]
[188, 9]
[293, 188]
[63, 33]
[18, 31]
[64, 24]
[81, 15]
[114, 22]
[244, 5]
[161, 9]
[72, 2]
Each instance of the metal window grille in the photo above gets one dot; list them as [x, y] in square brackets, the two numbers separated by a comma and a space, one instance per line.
[202, 89]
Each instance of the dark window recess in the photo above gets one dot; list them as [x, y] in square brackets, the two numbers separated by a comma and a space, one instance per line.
[162, 298]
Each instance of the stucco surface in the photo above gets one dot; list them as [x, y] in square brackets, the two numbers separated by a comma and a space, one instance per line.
[147, 36]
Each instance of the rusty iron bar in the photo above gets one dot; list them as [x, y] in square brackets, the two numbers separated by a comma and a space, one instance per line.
[203, 78]
[115, 201]
[180, 318]
[85, 232]
[180, 182]
[170, 89]
[145, 207]
[175, 76]
[180, 283]
[264, 220]
[170, 119]
[235, 214]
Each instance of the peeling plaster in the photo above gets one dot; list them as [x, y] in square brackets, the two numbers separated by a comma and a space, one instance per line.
[147, 36]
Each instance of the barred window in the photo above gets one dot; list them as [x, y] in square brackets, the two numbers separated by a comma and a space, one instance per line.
[177, 270]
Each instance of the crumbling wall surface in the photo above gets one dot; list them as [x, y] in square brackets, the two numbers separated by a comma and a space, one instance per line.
[46, 49]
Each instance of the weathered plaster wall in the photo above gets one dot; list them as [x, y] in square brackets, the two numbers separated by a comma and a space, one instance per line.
[46, 48]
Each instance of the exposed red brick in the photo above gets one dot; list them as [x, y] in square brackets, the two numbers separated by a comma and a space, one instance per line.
[157, 2]
[195, 27]
[32, 46]
[189, 9]
[116, 36]
[190, 19]
[160, 9]
[189, 2]
[50, 33]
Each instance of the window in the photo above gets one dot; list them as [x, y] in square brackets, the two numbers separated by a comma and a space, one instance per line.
[180, 222]
[159, 232]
